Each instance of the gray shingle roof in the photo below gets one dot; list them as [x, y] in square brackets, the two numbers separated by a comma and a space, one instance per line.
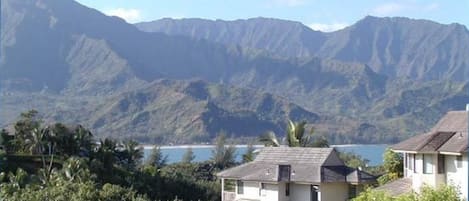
[294, 155]
[457, 143]
[397, 187]
[453, 121]
[358, 176]
[308, 165]
[448, 135]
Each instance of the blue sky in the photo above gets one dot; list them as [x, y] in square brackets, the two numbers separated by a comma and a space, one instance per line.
[325, 15]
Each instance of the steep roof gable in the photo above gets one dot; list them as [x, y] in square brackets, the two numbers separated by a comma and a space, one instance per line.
[306, 165]
[448, 135]
[294, 155]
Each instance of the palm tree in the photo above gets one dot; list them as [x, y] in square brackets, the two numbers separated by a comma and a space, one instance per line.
[295, 137]
[19, 179]
[106, 152]
[269, 139]
[131, 154]
[250, 154]
[84, 140]
[75, 169]
[43, 140]
[36, 142]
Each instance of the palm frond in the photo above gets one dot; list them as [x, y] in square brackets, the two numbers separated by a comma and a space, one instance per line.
[269, 139]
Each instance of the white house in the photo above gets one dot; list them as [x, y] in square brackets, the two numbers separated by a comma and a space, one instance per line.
[435, 158]
[293, 174]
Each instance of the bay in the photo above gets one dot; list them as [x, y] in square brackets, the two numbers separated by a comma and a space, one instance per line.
[374, 153]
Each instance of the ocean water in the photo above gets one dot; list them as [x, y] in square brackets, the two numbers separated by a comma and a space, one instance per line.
[374, 153]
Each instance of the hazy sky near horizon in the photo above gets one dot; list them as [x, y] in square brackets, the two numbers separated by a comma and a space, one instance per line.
[325, 15]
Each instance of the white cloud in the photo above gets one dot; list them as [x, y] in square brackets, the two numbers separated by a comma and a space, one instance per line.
[289, 3]
[327, 27]
[394, 8]
[388, 9]
[129, 15]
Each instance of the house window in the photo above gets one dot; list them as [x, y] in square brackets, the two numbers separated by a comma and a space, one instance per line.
[427, 164]
[284, 173]
[412, 163]
[240, 185]
[352, 191]
[287, 189]
[459, 161]
[441, 164]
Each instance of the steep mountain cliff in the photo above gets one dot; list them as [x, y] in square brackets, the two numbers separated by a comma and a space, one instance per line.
[186, 80]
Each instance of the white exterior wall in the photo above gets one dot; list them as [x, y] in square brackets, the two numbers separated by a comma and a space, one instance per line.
[416, 175]
[457, 176]
[333, 192]
[453, 175]
[251, 190]
[270, 193]
[300, 192]
[420, 179]
[281, 192]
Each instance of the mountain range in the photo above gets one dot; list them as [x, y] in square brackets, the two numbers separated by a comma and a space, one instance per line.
[185, 81]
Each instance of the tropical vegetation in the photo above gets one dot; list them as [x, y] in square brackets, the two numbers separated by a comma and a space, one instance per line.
[295, 137]
[60, 162]
[442, 193]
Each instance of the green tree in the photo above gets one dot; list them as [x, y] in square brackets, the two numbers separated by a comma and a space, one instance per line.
[72, 141]
[295, 137]
[5, 140]
[24, 128]
[370, 195]
[445, 192]
[74, 169]
[188, 156]
[41, 142]
[112, 192]
[442, 193]
[130, 155]
[249, 155]
[223, 156]
[353, 160]
[3, 161]
[84, 142]
[269, 139]
[17, 180]
[156, 158]
[392, 165]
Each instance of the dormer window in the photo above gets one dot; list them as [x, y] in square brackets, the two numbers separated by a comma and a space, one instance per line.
[284, 172]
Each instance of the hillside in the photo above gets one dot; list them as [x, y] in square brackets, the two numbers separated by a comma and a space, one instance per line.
[397, 47]
[244, 77]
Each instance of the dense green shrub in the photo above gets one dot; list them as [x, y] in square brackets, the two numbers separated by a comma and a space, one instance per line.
[442, 193]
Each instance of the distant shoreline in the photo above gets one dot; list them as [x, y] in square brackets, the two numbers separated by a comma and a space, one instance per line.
[198, 146]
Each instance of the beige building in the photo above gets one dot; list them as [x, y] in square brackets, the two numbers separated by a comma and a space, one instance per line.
[435, 158]
[293, 174]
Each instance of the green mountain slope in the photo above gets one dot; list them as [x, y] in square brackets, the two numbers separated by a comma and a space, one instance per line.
[397, 47]
[83, 66]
